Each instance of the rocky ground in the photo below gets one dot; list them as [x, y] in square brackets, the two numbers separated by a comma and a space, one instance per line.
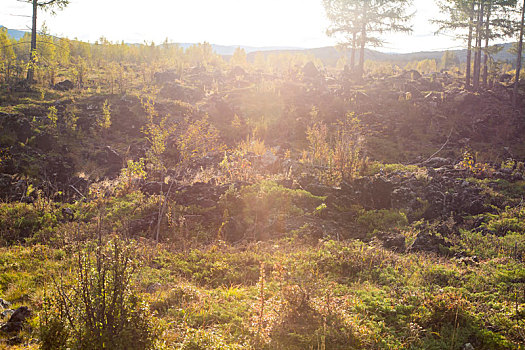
[421, 248]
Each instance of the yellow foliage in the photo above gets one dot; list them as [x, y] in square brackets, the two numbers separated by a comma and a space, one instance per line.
[199, 139]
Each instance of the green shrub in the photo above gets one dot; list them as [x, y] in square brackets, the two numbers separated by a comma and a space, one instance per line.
[98, 309]
[508, 221]
[488, 246]
[218, 268]
[208, 339]
[441, 276]
[446, 308]
[20, 221]
[176, 297]
[348, 261]
[380, 220]
[268, 203]
[374, 168]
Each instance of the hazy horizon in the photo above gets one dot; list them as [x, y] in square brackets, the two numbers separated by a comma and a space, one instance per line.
[293, 24]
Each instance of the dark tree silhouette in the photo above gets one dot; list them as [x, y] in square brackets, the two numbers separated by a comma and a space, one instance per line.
[362, 22]
[50, 5]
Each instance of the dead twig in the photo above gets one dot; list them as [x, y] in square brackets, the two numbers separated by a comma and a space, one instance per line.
[439, 150]
[161, 212]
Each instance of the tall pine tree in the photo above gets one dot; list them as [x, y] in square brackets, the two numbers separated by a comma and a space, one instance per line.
[362, 22]
[484, 21]
[50, 5]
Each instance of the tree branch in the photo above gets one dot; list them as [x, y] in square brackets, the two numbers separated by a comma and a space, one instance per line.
[46, 3]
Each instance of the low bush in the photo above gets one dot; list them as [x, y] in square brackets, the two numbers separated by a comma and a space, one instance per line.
[98, 309]
[384, 219]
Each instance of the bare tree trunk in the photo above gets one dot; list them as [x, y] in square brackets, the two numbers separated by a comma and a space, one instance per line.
[477, 58]
[362, 53]
[487, 39]
[476, 13]
[518, 59]
[352, 55]
[469, 50]
[32, 53]
[363, 41]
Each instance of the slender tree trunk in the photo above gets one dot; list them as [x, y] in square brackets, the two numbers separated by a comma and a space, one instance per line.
[518, 59]
[352, 54]
[469, 50]
[361, 68]
[477, 58]
[480, 40]
[486, 54]
[32, 53]
[474, 85]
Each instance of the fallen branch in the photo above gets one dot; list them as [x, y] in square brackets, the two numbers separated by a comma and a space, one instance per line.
[439, 150]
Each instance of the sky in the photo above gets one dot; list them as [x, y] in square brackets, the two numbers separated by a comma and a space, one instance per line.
[283, 23]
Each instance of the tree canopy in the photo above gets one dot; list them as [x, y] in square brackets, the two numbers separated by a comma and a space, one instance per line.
[364, 22]
[49, 5]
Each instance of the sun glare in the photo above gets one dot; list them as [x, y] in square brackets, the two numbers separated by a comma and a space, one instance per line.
[256, 175]
[290, 23]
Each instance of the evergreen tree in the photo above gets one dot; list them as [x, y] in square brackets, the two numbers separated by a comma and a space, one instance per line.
[449, 60]
[239, 58]
[50, 5]
[7, 55]
[361, 22]
[484, 20]
[6, 47]
[344, 18]
[259, 61]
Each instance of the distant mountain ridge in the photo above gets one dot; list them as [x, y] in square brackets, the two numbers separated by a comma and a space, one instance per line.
[16, 34]
[224, 50]
[228, 50]
[329, 54]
